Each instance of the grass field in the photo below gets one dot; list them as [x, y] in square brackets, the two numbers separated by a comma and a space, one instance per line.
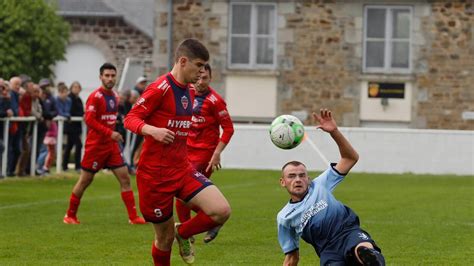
[416, 220]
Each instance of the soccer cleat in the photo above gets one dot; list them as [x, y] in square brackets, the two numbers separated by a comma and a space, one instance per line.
[70, 220]
[370, 257]
[137, 220]
[211, 234]
[186, 249]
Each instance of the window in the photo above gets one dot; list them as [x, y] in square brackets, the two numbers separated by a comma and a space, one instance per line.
[252, 35]
[387, 39]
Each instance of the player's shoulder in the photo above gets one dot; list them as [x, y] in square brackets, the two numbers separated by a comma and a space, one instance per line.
[214, 97]
[96, 94]
[284, 212]
[161, 84]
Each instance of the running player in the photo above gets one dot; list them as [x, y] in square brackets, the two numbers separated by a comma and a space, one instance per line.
[102, 147]
[315, 215]
[205, 143]
[163, 115]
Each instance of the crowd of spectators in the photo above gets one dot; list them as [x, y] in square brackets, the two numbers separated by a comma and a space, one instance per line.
[20, 96]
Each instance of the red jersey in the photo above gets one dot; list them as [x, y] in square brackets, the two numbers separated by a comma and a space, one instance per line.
[165, 103]
[209, 113]
[101, 116]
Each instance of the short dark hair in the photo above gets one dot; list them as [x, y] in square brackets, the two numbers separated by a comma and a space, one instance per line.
[192, 49]
[62, 87]
[208, 68]
[107, 66]
[294, 163]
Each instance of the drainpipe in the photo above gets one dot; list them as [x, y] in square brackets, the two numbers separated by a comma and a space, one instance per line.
[170, 35]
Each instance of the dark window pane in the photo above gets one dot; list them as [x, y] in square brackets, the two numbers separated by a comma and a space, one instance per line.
[376, 23]
[374, 55]
[241, 19]
[240, 50]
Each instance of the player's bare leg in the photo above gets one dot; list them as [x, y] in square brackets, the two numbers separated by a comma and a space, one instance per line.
[121, 173]
[85, 179]
[214, 210]
[213, 203]
[164, 236]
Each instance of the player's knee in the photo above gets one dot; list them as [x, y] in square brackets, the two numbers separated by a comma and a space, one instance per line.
[222, 213]
[165, 242]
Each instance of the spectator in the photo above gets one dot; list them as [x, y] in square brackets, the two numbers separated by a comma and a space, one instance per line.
[49, 112]
[14, 139]
[140, 85]
[5, 111]
[25, 128]
[73, 130]
[63, 102]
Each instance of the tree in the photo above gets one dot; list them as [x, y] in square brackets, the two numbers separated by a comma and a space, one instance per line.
[32, 38]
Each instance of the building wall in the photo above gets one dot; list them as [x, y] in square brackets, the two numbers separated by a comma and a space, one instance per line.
[115, 38]
[446, 86]
[320, 54]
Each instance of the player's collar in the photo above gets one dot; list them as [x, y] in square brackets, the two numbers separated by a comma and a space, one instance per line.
[183, 86]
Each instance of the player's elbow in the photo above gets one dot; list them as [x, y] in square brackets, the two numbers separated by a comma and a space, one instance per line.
[128, 123]
[355, 157]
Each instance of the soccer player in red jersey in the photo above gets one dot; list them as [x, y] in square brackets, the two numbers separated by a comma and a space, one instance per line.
[102, 147]
[163, 115]
[205, 143]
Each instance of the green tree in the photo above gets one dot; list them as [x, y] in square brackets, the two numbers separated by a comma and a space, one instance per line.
[32, 38]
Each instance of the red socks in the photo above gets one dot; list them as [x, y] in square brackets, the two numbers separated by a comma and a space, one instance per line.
[74, 202]
[198, 224]
[160, 257]
[129, 200]
[184, 213]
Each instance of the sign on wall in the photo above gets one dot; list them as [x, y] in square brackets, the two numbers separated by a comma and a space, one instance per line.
[386, 90]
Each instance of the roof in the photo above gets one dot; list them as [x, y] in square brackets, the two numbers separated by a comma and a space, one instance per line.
[139, 13]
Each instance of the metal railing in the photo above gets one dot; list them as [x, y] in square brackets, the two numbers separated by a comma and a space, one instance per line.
[130, 140]
[34, 140]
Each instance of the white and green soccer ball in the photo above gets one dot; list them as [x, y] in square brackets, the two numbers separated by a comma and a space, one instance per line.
[286, 132]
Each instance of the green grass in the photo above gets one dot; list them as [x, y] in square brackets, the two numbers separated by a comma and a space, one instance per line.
[416, 220]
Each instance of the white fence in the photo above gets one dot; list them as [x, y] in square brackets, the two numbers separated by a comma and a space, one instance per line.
[381, 150]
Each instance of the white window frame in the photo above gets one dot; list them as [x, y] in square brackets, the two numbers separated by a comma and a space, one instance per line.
[388, 41]
[253, 37]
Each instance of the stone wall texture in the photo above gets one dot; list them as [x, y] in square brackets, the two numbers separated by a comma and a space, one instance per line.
[447, 87]
[115, 38]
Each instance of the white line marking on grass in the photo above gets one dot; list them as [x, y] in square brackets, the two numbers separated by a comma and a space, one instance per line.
[29, 204]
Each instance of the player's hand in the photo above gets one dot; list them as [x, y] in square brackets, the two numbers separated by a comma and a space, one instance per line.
[325, 120]
[214, 163]
[162, 135]
[117, 136]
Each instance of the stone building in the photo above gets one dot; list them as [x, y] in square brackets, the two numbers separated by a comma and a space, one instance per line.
[116, 31]
[406, 64]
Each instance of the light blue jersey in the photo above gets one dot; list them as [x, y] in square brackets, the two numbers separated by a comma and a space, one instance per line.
[317, 218]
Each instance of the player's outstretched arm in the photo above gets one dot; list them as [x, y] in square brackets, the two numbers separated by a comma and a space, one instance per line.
[349, 156]
[292, 258]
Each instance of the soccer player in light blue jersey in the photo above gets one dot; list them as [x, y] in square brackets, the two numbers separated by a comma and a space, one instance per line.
[315, 215]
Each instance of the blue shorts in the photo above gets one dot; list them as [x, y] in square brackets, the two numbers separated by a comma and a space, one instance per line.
[341, 251]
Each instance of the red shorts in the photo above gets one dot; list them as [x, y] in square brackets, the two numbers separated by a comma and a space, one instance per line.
[103, 156]
[199, 159]
[157, 189]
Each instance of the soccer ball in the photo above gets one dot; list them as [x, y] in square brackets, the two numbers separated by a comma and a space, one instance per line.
[286, 132]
